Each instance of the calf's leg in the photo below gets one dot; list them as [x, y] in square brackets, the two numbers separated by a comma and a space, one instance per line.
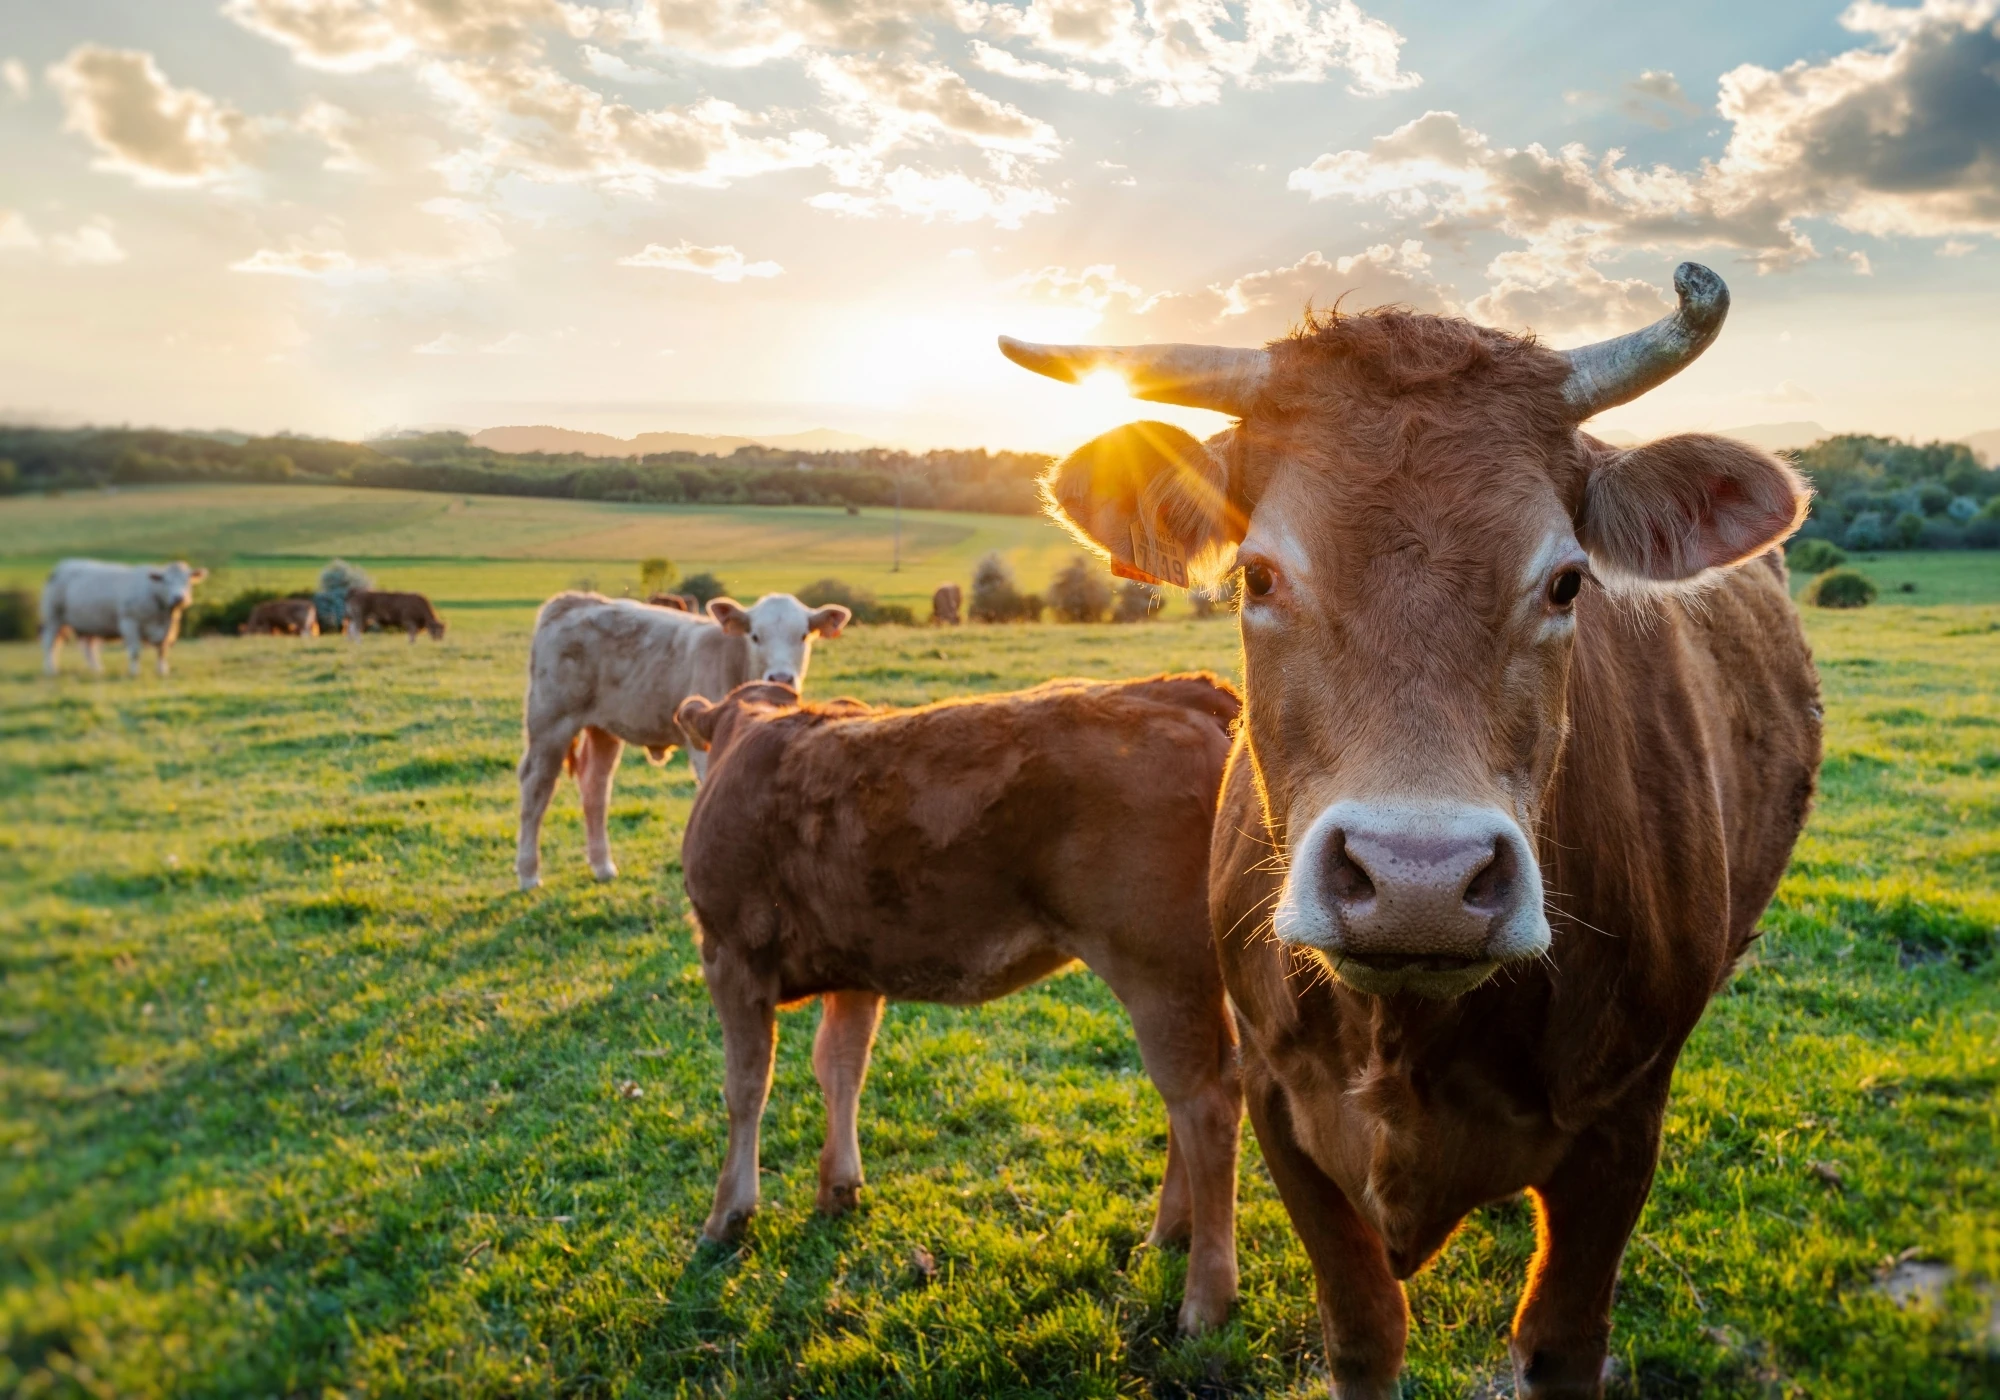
[51, 647]
[541, 765]
[847, 1022]
[596, 765]
[1362, 1314]
[129, 632]
[160, 663]
[746, 1004]
[1586, 1211]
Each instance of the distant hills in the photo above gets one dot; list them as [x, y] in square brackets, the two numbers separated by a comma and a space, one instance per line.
[558, 440]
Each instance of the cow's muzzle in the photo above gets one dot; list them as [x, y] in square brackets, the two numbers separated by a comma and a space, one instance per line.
[782, 678]
[1428, 899]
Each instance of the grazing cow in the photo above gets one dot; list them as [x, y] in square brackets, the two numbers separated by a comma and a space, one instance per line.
[140, 604]
[607, 672]
[1530, 730]
[953, 854]
[410, 611]
[284, 617]
[679, 602]
[945, 605]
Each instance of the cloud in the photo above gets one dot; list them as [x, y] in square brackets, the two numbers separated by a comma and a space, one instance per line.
[146, 127]
[724, 263]
[905, 102]
[17, 235]
[316, 263]
[1181, 53]
[1655, 97]
[15, 74]
[1255, 307]
[1899, 137]
[91, 245]
[446, 343]
[951, 196]
[354, 35]
[1554, 288]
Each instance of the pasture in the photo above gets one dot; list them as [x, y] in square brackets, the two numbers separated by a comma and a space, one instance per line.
[299, 1097]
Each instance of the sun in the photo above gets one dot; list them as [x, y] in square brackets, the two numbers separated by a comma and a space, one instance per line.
[1105, 385]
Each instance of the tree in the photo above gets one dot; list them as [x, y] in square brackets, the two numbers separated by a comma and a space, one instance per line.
[1080, 592]
[656, 575]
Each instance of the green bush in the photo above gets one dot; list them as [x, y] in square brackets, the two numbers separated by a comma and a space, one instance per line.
[1136, 601]
[1840, 588]
[859, 601]
[17, 615]
[995, 598]
[1814, 556]
[336, 581]
[1081, 592]
[656, 575]
[704, 588]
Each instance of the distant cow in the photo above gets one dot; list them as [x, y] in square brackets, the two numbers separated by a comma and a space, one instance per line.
[945, 605]
[410, 611]
[954, 854]
[606, 672]
[679, 602]
[285, 617]
[140, 604]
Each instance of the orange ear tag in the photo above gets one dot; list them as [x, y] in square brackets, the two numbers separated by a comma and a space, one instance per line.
[1154, 560]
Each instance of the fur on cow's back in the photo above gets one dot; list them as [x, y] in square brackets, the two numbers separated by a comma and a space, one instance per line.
[623, 665]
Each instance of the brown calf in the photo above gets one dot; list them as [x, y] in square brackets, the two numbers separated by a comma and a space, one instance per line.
[954, 854]
[283, 617]
[679, 602]
[945, 605]
[412, 612]
[1530, 729]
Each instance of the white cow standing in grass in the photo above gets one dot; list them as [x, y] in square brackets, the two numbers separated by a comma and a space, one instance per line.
[607, 672]
[138, 603]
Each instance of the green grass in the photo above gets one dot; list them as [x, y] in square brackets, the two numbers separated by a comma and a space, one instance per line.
[298, 1097]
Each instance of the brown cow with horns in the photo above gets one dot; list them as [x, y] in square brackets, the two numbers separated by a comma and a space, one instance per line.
[1530, 732]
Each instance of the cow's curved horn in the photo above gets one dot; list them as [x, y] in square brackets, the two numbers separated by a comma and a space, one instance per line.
[1617, 371]
[1193, 376]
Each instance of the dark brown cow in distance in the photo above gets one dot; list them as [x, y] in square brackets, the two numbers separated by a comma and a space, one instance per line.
[284, 617]
[954, 854]
[679, 602]
[412, 612]
[945, 605]
[1530, 731]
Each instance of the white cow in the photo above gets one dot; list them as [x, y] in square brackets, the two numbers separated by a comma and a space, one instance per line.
[138, 603]
[605, 672]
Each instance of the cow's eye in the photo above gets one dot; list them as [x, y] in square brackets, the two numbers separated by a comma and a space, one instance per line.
[755, 638]
[1258, 579]
[1564, 587]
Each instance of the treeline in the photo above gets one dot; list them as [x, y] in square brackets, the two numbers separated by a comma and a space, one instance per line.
[39, 459]
[1882, 493]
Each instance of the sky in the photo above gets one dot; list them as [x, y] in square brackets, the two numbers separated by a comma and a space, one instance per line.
[342, 217]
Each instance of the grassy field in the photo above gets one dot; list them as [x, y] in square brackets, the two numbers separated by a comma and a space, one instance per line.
[297, 1096]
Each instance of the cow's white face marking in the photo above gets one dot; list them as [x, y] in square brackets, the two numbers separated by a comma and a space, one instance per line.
[1557, 549]
[1270, 537]
[781, 637]
[173, 586]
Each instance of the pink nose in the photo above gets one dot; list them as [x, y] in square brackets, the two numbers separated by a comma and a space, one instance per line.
[782, 678]
[1397, 895]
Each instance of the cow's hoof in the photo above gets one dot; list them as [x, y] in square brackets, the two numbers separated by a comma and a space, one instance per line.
[839, 1198]
[726, 1227]
[606, 871]
[530, 883]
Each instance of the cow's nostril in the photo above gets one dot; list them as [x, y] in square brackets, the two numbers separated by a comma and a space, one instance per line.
[1492, 885]
[1346, 881]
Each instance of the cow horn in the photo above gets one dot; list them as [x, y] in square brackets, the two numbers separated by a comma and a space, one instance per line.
[1193, 376]
[1618, 370]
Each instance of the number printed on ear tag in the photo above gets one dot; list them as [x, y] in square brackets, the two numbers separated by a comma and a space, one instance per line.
[1155, 560]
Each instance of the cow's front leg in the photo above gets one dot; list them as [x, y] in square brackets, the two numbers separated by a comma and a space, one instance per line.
[746, 1004]
[1586, 1211]
[847, 1022]
[1362, 1313]
[51, 647]
[596, 765]
[160, 660]
[93, 656]
[129, 633]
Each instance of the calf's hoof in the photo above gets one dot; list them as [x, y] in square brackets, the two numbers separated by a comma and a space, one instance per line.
[606, 871]
[1204, 1308]
[839, 1197]
[726, 1226]
[530, 883]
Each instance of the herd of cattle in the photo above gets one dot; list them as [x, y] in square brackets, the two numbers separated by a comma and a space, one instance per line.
[1527, 732]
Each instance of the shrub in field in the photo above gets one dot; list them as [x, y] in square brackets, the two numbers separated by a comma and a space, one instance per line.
[1962, 508]
[656, 575]
[859, 601]
[995, 598]
[1907, 529]
[704, 588]
[1941, 533]
[1983, 530]
[224, 615]
[336, 581]
[1840, 588]
[1865, 531]
[17, 615]
[1080, 592]
[1808, 556]
[1136, 601]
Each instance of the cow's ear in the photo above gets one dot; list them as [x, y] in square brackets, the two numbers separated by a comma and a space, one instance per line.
[828, 621]
[696, 718]
[733, 616]
[1150, 498]
[197, 576]
[1672, 508]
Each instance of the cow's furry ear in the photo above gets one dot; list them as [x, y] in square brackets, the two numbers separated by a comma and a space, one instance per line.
[828, 621]
[696, 718]
[733, 616]
[1670, 509]
[197, 576]
[1150, 498]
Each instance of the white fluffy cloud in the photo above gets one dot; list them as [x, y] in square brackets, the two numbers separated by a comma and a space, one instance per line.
[723, 263]
[315, 263]
[352, 35]
[1901, 137]
[92, 244]
[144, 126]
